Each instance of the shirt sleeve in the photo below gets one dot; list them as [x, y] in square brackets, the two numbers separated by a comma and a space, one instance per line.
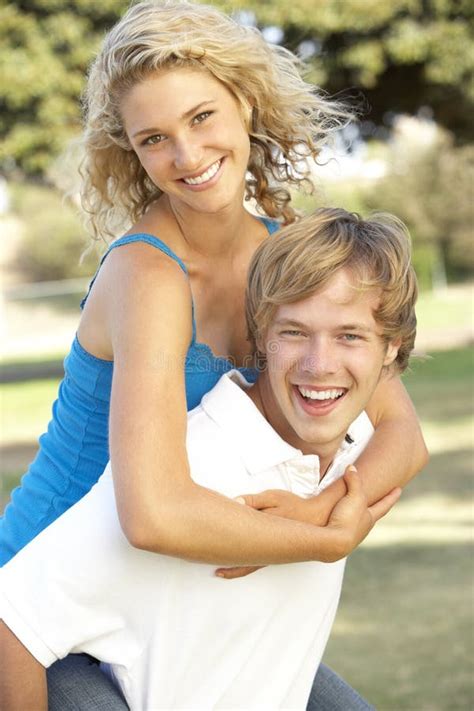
[64, 591]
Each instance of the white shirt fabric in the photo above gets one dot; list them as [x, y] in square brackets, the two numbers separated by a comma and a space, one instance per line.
[173, 634]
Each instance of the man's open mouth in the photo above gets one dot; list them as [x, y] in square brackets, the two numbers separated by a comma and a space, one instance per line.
[311, 395]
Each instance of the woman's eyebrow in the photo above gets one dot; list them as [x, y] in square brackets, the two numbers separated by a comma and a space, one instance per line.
[187, 114]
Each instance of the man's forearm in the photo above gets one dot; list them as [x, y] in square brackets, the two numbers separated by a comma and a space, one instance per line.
[22, 677]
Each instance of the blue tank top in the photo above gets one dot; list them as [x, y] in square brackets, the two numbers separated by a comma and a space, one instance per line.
[74, 450]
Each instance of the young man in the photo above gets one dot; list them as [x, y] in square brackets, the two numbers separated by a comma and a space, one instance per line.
[330, 310]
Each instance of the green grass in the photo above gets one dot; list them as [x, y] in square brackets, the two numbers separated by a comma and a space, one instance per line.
[26, 409]
[442, 386]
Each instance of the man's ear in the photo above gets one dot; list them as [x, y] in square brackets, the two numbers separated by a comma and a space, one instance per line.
[392, 351]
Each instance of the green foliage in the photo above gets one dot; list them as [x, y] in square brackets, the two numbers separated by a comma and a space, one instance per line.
[54, 239]
[429, 186]
[404, 54]
[45, 49]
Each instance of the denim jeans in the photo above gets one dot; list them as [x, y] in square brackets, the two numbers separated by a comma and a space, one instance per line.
[76, 683]
[331, 693]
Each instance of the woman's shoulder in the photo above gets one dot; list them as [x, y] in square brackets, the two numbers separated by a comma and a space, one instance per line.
[143, 249]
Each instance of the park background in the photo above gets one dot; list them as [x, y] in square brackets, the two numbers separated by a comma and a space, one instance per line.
[404, 631]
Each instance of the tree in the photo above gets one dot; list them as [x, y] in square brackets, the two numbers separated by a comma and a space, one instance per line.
[429, 186]
[45, 48]
[403, 54]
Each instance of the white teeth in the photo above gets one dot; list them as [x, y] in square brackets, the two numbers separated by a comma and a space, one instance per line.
[321, 394]
[204, 177]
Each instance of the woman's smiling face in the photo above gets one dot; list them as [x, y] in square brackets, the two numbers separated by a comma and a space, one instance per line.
[188, 132]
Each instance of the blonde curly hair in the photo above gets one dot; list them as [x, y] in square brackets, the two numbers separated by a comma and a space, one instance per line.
[289, 119]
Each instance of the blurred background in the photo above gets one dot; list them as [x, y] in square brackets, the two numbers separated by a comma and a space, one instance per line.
[404, 632]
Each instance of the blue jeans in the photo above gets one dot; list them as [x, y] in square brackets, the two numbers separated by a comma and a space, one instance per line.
[76, 683]
[331, 693]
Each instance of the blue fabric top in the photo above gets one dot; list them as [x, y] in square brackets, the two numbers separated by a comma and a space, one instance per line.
[74, 450]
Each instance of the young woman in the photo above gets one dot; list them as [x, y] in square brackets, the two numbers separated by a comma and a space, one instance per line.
[187, 114]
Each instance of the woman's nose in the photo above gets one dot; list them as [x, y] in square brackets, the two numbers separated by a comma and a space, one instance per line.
[188, 154]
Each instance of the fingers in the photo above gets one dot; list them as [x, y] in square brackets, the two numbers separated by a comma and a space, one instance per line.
[262, 500]
[383, 506]
[353, 481]
[380, 507]
[231, 573]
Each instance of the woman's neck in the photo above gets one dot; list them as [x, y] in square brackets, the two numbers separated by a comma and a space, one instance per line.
[211, 235]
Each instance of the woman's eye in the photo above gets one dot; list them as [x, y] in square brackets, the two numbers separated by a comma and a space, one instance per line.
[202, 116]
[153, 140]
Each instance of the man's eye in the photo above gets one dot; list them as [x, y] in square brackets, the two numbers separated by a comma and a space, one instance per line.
[153, 140]
[202, 116]
[350, 337]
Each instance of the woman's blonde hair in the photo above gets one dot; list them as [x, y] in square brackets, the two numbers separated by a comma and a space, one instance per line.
[289, 119]
[303, 257]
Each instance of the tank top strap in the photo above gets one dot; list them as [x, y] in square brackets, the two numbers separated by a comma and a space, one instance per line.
[271, 225]
[148, 239]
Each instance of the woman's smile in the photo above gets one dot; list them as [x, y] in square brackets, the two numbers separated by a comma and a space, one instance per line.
[205, 179]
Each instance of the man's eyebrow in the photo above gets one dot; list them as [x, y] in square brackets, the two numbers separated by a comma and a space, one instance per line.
[355, 327]
[363, 328]
[289, 322]
[187, 114]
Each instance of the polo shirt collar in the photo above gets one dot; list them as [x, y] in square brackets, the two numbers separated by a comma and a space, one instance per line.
[260, 446]
[233, 411]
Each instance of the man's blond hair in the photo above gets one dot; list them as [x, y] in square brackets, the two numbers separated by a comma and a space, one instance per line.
[303, 257]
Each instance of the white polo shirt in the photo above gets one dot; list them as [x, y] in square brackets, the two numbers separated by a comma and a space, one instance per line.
[173, 634]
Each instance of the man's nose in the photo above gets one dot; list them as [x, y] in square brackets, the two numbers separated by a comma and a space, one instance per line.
[320, 357]
[188, 153]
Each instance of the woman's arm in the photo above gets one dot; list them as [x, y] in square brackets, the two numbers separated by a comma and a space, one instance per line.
[394, 455]
[148, 319]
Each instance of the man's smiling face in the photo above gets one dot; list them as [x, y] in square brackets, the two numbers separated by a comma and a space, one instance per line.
[325, 355]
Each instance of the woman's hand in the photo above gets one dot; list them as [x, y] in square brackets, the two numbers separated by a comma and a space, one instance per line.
[279, 502]
[351, 516]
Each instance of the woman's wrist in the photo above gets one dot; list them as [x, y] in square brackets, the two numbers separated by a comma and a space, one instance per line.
[318, 508]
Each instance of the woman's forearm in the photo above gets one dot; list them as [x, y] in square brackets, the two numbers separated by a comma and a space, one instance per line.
[397, 451]
[199, 524]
